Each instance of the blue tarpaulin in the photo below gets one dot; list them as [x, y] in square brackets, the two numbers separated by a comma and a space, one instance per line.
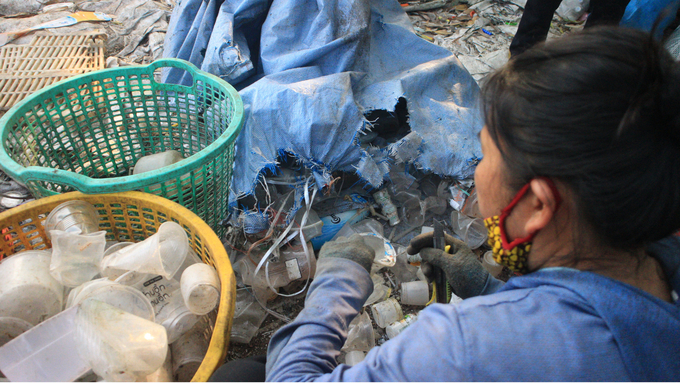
[310, 70]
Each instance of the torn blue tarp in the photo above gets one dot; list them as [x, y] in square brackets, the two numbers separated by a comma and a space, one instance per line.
[309, 70]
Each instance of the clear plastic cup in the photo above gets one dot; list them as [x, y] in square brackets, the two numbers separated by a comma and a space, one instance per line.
[157, 161]
[471, 230]
[380, 291]
[162, 253]
[74, 216]
[117, 345]
[11, 328]
[415, 293]
[200, 287]
[76, 257]
[189, 350]
[387, 312]
[120, 296]
[28, 291]
[176, 317]
[490, 264]
[248, 317]
[110, 272]
[163, 374]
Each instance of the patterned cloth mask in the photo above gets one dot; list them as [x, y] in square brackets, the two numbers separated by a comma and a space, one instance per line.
[514, 254]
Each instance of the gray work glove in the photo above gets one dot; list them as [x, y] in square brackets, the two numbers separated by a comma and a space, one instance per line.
[464, 272]
[354, 249]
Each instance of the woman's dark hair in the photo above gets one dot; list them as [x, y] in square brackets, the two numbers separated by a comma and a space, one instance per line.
[598, 110]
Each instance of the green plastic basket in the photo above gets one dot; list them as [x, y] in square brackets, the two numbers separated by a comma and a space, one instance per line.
[87, 132]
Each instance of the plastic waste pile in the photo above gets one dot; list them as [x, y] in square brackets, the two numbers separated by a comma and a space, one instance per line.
[122, 311]
[275, 234]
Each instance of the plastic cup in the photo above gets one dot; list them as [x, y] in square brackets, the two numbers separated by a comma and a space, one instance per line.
[415, 293]
[200, 287]
[360, 334]
[164, 373]
[387, 312]
[157, 161]
[76, 257]
[110, 272]
[117, 345]
[176, 317]
[74, 216]
[471, 230]
[189, 350]
[385, 255]
[28, 291]
[490, 264]
[354, 357]
[248, 317]
[161, 254]
[122, 297]
[11, 328]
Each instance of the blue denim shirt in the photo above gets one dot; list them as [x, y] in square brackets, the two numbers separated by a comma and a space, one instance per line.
[556, 324]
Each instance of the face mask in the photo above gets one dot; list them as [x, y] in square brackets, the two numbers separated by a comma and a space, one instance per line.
[514, 254]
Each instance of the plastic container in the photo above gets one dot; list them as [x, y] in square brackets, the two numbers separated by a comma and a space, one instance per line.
[93, 144]
[164, 372]
[119, 296]
[248, 317]
[11, 328]
[200, 287]
[157, 161]
[45, 353]
[415, 293]
[110, 272]
[334, 222]
[76, 257]
[397, 327]
[27, 289]
[189, 350]
[162, 253]
[471, 230]
[117, 345]
[120, 215]
[490, 264]
[382, 197]
[386, 312]
[354, 357]
[77, 217]
[293, 264]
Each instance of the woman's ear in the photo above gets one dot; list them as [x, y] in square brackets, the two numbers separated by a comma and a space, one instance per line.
[542, 205]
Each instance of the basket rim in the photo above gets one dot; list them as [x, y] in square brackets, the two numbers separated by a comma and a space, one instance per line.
[81, 182]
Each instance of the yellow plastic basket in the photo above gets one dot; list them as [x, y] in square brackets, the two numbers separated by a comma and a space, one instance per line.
[133, 216]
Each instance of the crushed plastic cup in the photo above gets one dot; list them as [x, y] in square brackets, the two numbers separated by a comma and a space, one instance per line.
[11, 328]
[189, 350]
[176, 317]
[380, 291]
[117, 345]
[385, 255]
[75, 216]
[397, 327]
[28, 291]
[162, 253]
[490, 264]
[112, 293]
[200, 287]
[76, 257]
[248, 317]
[43, 353]
[354, 357]
[360, 334]
[387, 312]
[164, 372]
[415, 293]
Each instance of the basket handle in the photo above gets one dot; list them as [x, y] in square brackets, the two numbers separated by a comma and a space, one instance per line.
[179, 64]
[77, 181]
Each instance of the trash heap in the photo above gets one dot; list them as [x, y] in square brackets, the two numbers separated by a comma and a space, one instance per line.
[124, 311]
[274, 237]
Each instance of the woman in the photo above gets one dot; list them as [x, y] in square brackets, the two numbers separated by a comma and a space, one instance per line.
[581, 181]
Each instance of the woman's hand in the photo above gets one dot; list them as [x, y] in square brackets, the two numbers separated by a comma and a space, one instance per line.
[464, 272]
